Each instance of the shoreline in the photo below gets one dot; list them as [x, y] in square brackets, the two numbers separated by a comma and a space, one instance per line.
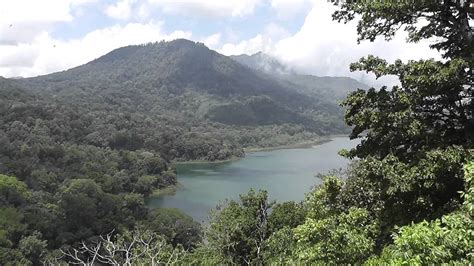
[171, 190]
[166, 191]
[232, 159]
[298, 145]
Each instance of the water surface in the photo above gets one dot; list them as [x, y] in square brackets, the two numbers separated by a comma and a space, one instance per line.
[286, 174]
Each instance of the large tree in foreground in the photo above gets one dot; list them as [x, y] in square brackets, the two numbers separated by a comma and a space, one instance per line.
[433, 107]
[415, 139]
[449, 240]
[415, 136]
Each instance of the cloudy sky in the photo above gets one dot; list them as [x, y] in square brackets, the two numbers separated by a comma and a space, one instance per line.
[43, 36]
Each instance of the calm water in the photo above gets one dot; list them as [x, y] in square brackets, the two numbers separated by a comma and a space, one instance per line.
[286, 174]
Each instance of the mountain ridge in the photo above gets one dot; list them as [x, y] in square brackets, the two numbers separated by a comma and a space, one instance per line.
[182, 67]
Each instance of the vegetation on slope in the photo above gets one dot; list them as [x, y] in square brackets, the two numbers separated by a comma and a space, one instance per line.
[186, 80]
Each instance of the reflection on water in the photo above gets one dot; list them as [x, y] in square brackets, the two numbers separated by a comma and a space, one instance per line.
[286, 174]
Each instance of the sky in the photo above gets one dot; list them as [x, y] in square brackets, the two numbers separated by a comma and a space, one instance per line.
[43, 36]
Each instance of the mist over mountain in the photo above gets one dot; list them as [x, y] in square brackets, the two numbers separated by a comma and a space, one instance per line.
[332, 89]
[263, 62]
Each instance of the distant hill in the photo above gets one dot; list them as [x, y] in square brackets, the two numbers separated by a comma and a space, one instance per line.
[330, 89]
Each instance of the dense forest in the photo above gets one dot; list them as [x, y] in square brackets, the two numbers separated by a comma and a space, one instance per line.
[81, 150]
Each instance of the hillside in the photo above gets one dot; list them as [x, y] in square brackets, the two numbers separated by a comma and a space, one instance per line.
[179, 100]
[162, 74]
[107, 132]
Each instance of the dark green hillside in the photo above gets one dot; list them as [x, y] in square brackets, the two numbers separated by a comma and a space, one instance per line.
[255, 111]
[11, 91]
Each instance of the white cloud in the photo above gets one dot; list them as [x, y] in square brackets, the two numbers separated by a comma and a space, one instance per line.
[120, 10]
[287, 9]
[320, 47]
[326, 48]
[19, 56]
[263, 42]
[208, 8]
[212, 41]
[50, 55]
[21, 21]
[276, 31]
[38, 11]
[251, 46]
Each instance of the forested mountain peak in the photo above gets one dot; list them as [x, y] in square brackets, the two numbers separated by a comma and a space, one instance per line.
[180, 63]
[181, 47]
[152, 61]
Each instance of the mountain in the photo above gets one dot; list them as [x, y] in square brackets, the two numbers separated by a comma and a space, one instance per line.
[331, 89]
[143, 106]
[103, 136]
[183, 77]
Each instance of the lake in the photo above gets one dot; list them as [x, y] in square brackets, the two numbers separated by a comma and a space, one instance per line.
[286, 174]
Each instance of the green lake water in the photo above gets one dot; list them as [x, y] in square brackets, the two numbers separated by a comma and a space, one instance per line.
[286, 174]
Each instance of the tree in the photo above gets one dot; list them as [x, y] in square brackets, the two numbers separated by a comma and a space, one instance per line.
[13, 196]
[449, 240]
[448, 21]
[33, 247]
[12, 191]
[11, 229]
[332, 233]
[415, 136]
[146, 184]
[237, 232]
[178, 227]
[138, 247]
[433, 107]
[12, 225]
[133, 208]
[86, 210]
[281, 248]
[398, 192]
[286, 214]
